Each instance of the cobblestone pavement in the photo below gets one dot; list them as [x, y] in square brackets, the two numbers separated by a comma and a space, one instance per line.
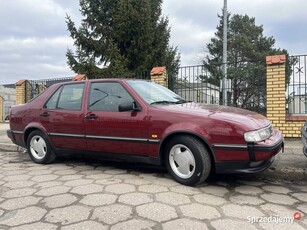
[91, 194]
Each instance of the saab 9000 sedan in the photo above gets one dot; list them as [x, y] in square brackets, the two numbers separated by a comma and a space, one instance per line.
[143, 121]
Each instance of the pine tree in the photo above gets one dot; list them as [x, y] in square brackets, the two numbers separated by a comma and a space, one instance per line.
[121, 37]
[247, 49]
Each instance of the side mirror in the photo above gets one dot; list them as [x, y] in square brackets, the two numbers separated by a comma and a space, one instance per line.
[128, 106]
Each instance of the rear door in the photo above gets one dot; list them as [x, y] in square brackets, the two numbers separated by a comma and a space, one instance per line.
[63, 117]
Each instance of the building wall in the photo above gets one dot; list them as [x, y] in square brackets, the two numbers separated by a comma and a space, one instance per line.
[7, 99]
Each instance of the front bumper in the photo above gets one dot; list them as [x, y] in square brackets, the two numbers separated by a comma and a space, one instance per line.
[304, 138]
[250, 158]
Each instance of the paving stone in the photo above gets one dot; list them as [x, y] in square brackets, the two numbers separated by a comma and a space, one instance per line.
[19, 184]
[199, 211]
[43, 178]
[85, 225]
[248, 190]
[68, 215]
[173, 198]
[300, 187]
[209, 199]
[36, 226]
[87, 189]
[303, 208]
[112, 214]
[278, 198]
[19, 192]
[137, 181]
[276, 189]
[241, 211]
[300, 196]
[108, 181]
[226, 224]
[126, 176]
[277, 210]
[252, 183]
[120, 188]
[134, 224]
[70, 177]
[98, 176]
[165, 181]
[244, 199]
[156, 212]
[41, 172]
[15, 172]
[90, 172]
[150, 188]
[281, 226]
[184, 224]
[48, 184]
[215, 190]
[99, 199]
[135, 198]
[187, 190]
[78, 182]
[66, 172]
[21, 202]
[59, 200]
[53, 191]
[115, 171]
[22, 216]
[39, 167]
[17, 178]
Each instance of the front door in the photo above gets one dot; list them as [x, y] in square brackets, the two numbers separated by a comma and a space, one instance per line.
[107, 129]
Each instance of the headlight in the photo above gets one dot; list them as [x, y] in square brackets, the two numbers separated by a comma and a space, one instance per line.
[259, 135]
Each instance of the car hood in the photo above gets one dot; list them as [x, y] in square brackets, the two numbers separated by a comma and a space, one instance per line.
[221, 113]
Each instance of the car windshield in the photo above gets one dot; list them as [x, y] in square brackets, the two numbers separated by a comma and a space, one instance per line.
[154, 93]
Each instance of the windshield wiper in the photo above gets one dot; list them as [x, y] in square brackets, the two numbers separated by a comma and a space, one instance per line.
[163, 102]
[182, 101]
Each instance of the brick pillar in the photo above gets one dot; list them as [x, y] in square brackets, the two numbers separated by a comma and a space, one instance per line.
[159, 75]
[1, 109]
[23, 91]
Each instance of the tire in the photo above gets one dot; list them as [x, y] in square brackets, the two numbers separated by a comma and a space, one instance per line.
[187, 160]
[39, 148]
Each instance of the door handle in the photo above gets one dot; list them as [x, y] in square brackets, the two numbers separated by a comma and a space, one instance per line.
[91, 116]
[45, 114]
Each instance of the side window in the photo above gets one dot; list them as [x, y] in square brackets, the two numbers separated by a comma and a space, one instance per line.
[68, 97]
[106, 96]
[53, 100]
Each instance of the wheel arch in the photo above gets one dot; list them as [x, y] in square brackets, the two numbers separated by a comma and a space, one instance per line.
[30, 129]
[171, 135]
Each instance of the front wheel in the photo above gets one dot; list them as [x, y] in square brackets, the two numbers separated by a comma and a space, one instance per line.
[187, 160]
[39, 148]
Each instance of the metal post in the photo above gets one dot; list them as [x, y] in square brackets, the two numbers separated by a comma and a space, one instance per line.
[225, 16]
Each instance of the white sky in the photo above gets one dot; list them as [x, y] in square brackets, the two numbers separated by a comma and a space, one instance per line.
[34, 36]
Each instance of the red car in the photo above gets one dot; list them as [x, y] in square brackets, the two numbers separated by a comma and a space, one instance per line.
[143, 121]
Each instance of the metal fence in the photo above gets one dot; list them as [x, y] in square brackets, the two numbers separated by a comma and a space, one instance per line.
[296, 86]
[245, 86]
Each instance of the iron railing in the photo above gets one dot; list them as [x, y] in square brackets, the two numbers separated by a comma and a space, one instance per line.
[296, 87]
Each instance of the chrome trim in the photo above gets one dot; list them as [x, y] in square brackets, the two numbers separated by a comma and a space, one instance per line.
[122, 138]
[229, 146]
[17, 132]
[105, 137]
[66, 135]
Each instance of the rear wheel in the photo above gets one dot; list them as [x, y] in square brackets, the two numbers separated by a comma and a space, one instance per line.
[39, 148]
[187, 160]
